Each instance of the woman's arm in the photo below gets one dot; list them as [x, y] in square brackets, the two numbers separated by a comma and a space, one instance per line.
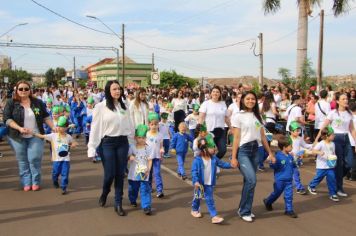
[235, 146]
[202, 116]
[326, 123]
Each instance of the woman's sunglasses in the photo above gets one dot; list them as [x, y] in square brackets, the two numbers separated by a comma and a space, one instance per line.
[24, 89]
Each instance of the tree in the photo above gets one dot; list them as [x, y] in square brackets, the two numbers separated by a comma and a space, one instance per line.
[285, 75]
[172, 78]
[59, 73]
[51, 78]
[308, 76]
[15, 76]
[305, 9]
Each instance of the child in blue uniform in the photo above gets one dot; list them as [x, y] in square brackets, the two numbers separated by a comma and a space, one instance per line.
[283, 177]
[179, 146]
[60, 143]
[204, 169]
[140, 159]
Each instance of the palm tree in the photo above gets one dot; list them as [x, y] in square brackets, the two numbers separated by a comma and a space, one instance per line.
[305, 10]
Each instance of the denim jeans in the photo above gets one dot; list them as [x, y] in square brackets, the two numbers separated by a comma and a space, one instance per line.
[61, 168]
[344, 161]
[248, 161]
[180, 160]
[166, 146]
[145, 192]
[156, 174]
[220, 141]
[114, 159]
[209, 199]
[330, 180]
[29, 152]
[262, 156]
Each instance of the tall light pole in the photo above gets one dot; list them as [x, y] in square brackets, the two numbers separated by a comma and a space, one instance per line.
[117, 52]
[12, 28]
[74, 75]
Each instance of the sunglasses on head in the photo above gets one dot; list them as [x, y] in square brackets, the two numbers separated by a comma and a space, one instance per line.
[24, 89]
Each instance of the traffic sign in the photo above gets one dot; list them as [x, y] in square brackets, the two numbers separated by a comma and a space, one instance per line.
[155, 78]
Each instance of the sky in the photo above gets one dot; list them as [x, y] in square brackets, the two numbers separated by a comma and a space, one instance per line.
[181, 25]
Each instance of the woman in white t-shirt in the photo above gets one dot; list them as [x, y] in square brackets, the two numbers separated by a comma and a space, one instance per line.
[139, 109]
[340, 120]
[214, 113]
[180, 109]
[269, 112]
[248, 132]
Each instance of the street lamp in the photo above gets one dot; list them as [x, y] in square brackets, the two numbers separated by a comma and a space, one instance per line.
[117, 52]
[12, 28]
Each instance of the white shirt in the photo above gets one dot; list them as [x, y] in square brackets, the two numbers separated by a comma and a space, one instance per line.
[140, 164]
[108, 123]
[207, 171]
[30, 122]
[249, 125]
[139, 115]
[269, 114]
[319, 116]
[164, 130]
[179, 104]
[59, 145]
[328, 149]
[233, 108]
[298, 144]
[192, 121]
[352, 141]
[154, 142]
[295, 112]
[277, 98]
[215, 113]
[340, 121]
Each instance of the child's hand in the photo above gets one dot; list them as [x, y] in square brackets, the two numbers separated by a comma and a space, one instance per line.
[234, 163]
[197, 185]
[74, 144]
[173, 151]
[271, 158]
[132, 157]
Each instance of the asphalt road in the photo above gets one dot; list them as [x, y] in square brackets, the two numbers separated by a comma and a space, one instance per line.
[47, 212]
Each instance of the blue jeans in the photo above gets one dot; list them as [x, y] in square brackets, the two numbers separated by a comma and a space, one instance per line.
[344, 161]
[156, 174]
[180, 159]
[209, 199]
[61, 168]
[330, 180]
[220, 141]
[29, 152]
[278, 187]
[262, 156]
[296, 179]
[145, 193]
[114, 152]
[166, 143]
[248, 160]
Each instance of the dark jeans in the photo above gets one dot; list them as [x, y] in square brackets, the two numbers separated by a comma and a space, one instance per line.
[344, 155]
[179, 117]
[114, 152]
[220, 141]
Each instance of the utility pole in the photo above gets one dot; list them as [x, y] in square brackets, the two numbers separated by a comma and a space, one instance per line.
[260, 80]
[74, 76]
[320, 56]
[123, 55]
[117, 63]
[153, 62]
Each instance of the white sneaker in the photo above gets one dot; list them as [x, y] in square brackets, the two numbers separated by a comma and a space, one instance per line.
[218, 170]
[196, 214]
[246, 218]
[334, 198]
[341, 194]
[253, 215]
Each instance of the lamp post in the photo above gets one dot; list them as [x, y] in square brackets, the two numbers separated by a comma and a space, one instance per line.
[74, 75]
[117, 51]
[12, 28]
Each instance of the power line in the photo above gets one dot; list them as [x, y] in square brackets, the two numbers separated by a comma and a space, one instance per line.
[53, 46]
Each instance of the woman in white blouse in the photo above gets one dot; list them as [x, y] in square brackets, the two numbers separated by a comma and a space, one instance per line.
[139, 108]
[340, 120]
[180, 109]
[110, 129]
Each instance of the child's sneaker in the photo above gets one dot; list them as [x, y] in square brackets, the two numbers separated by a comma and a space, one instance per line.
[196, 214]
[301, 191]
[312, 190]
[245, 218]
[268, 206]
[147, 211]
[160, 195]
[133, 204]
[334, 198]
[217, 220]
[341, 194]
[291, 214]
[184, 177]
[55, 184]
[64, 191]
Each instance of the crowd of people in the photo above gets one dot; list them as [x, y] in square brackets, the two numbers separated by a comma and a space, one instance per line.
[131, 130]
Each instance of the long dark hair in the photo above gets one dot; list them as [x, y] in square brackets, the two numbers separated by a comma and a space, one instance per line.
[267, 102]
[109, 99]
[255, 109]
[337, 97]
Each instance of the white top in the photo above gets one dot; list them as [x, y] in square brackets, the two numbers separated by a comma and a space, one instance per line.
[108, 123]
[179, 104]
[139, 115]
[192, 121]
[207, 171]
[319, 116]
[277, 98]
[60, 146]
[340, 121]
[154, 143]
[249, 125]
[164, 130]
[269, 114]
[196, 151]
[233, 108]
[140, 164]
[30, 122]
[328, 149]
[215, 114]
[298, 144]
[352, 141]
[283, 105]
[295, 112]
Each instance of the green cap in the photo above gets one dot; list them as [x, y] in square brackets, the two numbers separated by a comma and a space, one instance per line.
[210, 141]
[61, 108]
[164, 115]
[203, 127]
[330, 130]
[169, 105]
[49, 100]
[62, 121]
[290, 141]
[141, 131]
[55, 110]
[67, 107]
[152, 116]
[196, 107]
[90, 100]
[294, 125]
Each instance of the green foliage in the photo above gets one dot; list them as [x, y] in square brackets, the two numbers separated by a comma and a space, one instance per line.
[285, 74]
[82, 83]
[308, 77]
[53, 76]
[15, 76]
[172, 78]
[256, 88]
